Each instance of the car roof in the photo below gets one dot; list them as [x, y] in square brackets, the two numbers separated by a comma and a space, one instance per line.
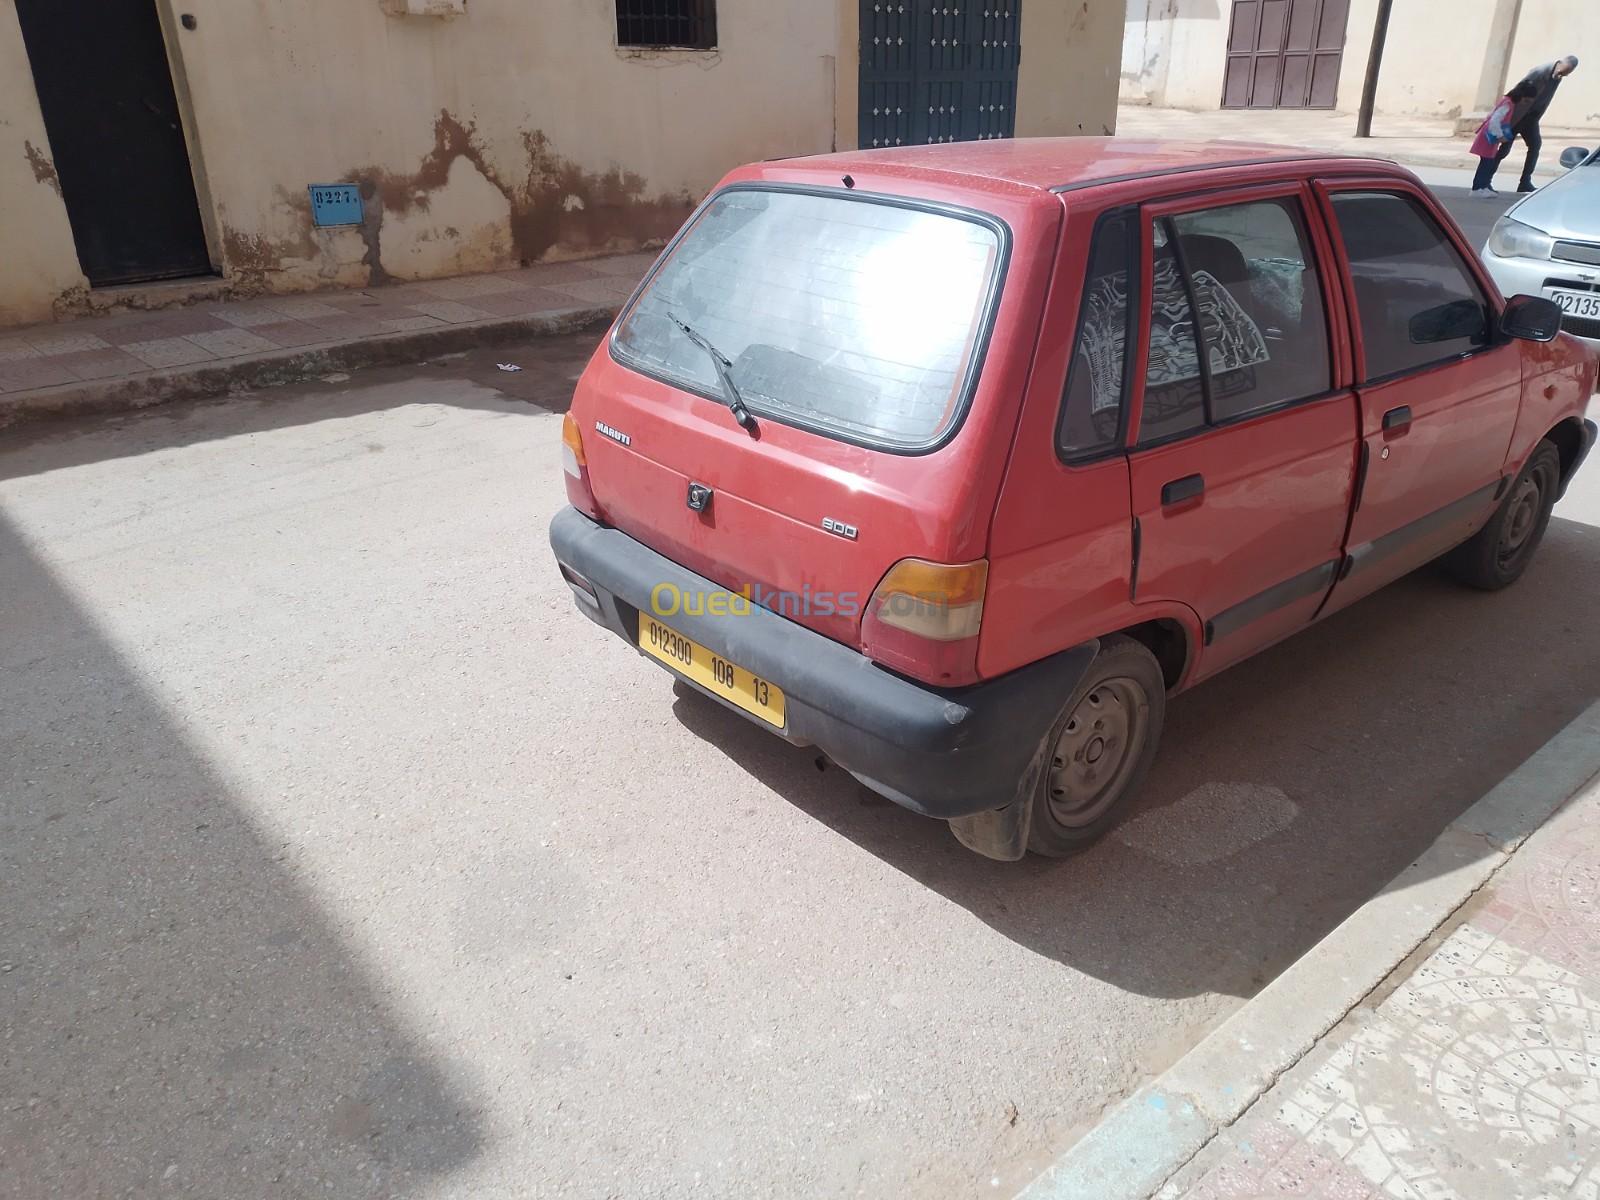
[1058, 163]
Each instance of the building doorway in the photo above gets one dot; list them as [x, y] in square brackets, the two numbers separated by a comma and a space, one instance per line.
[938, 72]
[105, 88]
[1284, 53]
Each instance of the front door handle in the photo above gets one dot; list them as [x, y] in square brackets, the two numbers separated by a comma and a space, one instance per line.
[1187, 488]
[1397, 420]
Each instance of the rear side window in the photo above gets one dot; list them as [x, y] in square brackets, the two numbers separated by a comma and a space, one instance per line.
[1092, 410]
[1417, 302]
[1236, 318]
[854, 317]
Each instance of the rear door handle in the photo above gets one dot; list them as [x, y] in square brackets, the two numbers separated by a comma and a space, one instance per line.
[1183, 489]
[1397, 420]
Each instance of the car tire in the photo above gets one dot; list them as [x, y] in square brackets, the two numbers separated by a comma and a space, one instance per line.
[1498, 554]
[1099, 749]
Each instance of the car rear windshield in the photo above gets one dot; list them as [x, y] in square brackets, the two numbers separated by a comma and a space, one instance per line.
[855, 317]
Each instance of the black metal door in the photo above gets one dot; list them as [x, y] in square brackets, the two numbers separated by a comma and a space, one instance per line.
[938, 72]
[100, 69]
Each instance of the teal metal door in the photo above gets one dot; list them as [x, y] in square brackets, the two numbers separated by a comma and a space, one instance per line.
[938, 72]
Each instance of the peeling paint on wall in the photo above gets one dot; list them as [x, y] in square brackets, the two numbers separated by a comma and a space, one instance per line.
[557, 209]
[544, 207]
[44, 171]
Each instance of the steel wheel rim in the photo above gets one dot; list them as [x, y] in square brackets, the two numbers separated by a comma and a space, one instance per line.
[1522, 518]
[1097, 749]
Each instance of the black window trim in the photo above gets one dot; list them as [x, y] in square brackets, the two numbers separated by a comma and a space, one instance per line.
[1297, 197]
[980, 349]
[1118, 445]
[1491, 312]
[1202, 355]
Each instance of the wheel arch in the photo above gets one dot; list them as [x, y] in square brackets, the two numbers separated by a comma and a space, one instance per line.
[1571, 440]
[1173, 644]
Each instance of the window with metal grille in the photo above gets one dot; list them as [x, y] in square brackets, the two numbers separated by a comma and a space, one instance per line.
[688, 24]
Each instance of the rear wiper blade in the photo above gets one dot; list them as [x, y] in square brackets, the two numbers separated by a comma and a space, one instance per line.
[724, 368]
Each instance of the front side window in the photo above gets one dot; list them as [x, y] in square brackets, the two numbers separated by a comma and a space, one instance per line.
[853, 317]
[1417, 302]
[1236, 318]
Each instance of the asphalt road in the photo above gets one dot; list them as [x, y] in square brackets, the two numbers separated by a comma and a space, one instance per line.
[340, 856]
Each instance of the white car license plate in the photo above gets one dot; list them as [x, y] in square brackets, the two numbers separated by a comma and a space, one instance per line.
[1577, 304]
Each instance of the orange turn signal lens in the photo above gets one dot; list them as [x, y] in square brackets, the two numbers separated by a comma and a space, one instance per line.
[572, 458]
[938, 601]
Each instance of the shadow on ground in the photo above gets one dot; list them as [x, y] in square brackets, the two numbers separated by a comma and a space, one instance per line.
[1370, 732]
[549, 369]
[177, 1015]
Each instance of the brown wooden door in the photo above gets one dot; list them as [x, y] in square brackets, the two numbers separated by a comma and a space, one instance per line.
[1284, 53]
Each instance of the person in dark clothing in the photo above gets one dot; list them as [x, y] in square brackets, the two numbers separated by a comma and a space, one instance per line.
[1543, 80]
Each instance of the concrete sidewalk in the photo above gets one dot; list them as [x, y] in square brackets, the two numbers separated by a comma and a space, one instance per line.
[126, 360]
[1414, 141]
[1464, 1067]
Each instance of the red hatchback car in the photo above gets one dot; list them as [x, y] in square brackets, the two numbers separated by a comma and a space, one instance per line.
[956, 461]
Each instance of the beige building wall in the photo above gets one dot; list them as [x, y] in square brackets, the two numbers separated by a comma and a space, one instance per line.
[1067, 83]
[483, 133]
[1550, 29]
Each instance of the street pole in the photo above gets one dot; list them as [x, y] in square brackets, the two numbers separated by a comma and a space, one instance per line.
[1369, 89]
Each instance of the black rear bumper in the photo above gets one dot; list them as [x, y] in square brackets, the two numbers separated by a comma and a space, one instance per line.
[942, 753]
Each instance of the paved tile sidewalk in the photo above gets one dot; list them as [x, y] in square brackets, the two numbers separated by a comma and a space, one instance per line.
[1474, 1074]
[128, 345]
[1415, 141]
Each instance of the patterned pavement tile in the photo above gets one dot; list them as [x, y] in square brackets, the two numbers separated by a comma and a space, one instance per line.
[633, 266]
[606, 290]
[101, 364]
[248, 315]
[21, 374]
[524, 300]
[450, 311]
[1478, 1076]
[158, 326]
[408, 324]
[548, 274]
[294, 333]
[168, 352]
[230, 343]
[469, 287]
[49, 340]
[300, 309]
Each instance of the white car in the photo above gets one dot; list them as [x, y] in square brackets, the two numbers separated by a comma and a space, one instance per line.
[1548, 244]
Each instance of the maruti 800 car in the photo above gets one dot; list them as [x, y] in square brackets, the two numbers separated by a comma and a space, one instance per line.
[955, 462]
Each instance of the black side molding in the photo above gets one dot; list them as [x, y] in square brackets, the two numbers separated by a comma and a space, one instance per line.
[1263, 604]
[1376, 551]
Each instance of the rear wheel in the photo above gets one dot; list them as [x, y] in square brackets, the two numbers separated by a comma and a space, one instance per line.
[1497, 554]
[1100, 748]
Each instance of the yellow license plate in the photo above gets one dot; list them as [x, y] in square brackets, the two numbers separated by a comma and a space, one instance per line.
[711, 671]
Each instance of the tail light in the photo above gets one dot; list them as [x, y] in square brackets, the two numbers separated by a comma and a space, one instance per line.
[576, 467]
[924, 617]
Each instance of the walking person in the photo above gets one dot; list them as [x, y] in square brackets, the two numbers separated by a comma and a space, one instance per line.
[1544, 80]
[1495, 135]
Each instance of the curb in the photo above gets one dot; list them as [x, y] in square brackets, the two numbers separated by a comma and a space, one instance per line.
[1145, 1139]
[201, 381]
